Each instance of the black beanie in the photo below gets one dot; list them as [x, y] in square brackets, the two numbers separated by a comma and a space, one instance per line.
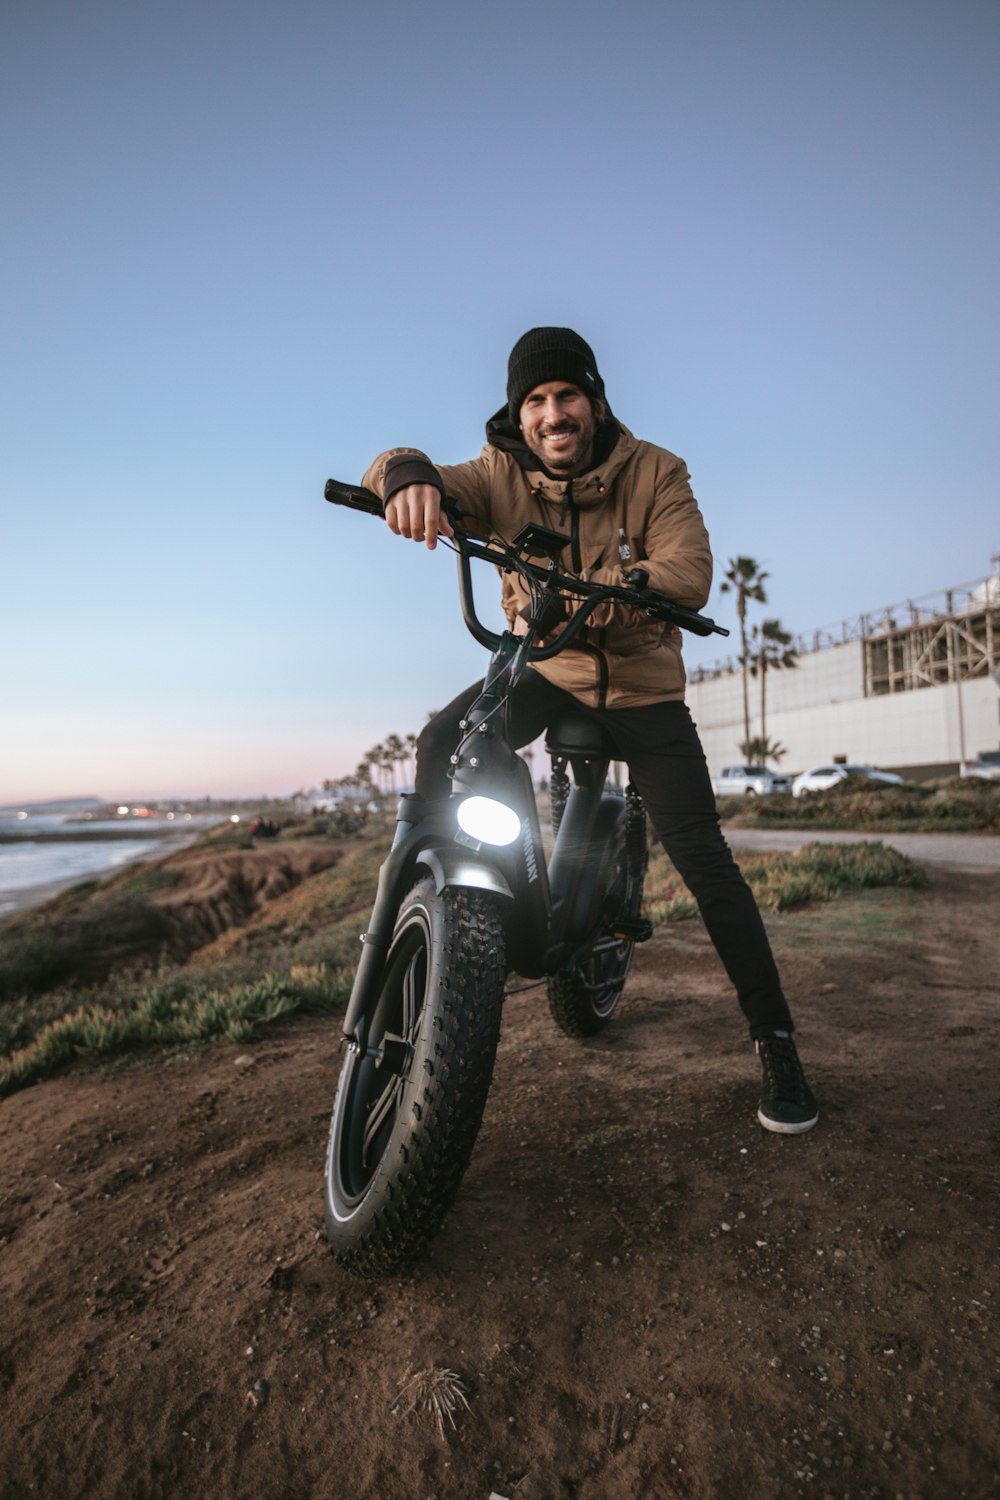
[550, 354]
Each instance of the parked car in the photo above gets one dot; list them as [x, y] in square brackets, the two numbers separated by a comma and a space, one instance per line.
[986, 764]
[822, 778]
[750, 781]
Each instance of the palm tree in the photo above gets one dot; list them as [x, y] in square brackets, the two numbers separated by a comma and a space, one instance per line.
[395, 754]
[772, 650]
[747, 579]
[373, 759]
[386, 763]
[759, 751]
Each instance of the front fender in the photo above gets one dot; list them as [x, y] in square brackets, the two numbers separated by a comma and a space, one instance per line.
[450, 866]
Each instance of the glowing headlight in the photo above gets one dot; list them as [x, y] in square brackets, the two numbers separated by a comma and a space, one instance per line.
[488, 821]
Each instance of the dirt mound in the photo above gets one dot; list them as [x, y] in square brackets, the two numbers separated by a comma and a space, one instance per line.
[166, 909]
[219, 889]
[638, 1294]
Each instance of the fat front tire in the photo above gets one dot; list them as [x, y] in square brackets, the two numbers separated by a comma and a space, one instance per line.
[404, 1124]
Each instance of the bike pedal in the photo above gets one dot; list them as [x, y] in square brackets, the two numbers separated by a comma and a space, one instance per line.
[633, 929]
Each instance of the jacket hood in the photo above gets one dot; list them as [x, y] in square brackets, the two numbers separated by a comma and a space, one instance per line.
[613, 444]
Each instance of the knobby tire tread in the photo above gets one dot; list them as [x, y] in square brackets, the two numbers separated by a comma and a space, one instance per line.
[422, 1168]
[570, 1003]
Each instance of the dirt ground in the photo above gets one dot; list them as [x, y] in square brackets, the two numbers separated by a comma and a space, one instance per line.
[642, 1293]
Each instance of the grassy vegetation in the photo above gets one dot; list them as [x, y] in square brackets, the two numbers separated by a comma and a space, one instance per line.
[88, 975]
[781, 882]
[159, 1017]
[297, 955]
[82, 945]
[954, 805]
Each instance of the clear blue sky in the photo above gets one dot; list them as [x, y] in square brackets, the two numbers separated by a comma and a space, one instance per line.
[248, 245]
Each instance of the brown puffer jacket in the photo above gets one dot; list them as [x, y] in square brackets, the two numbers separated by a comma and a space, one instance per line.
[634, 509]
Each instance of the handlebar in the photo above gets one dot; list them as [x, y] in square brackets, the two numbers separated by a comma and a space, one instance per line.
[354, 497]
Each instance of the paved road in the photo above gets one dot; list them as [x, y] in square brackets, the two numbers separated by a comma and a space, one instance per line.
[973, 850]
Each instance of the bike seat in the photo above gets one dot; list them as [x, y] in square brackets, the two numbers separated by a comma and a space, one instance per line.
[579, 734]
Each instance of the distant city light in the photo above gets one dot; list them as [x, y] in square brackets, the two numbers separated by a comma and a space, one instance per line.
[123, 812]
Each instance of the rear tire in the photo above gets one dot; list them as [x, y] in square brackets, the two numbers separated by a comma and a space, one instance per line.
[404, 1127]
[582, 999]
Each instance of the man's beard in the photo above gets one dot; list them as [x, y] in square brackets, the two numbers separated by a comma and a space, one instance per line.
[572, 456]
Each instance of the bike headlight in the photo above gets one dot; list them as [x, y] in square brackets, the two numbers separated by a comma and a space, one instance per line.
[488, 821]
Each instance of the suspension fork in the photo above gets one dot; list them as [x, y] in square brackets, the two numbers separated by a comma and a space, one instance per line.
[394, 876]
[426, 836]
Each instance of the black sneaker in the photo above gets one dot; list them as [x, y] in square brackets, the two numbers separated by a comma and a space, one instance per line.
[788, 1105]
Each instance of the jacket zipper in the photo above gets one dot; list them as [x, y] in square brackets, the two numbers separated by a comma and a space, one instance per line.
[577, 567]
[574, 526]
[602, 677]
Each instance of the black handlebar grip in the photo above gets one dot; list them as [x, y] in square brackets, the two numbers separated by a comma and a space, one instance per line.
[353, 496]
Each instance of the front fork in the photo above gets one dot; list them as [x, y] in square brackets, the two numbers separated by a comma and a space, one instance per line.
[426, 836]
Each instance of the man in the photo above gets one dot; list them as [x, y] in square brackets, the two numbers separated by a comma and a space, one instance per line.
[556, 455]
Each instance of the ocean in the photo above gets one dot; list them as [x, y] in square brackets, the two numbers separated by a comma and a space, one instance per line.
[40, 852]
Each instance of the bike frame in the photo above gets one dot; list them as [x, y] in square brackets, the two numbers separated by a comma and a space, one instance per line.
[552, 909]
[551, 906]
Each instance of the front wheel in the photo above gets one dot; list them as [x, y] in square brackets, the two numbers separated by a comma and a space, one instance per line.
[409, 1108]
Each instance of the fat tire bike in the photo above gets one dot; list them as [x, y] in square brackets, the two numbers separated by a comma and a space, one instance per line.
[466, 896]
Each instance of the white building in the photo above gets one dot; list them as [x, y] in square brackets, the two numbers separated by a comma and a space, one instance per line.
[914, 689]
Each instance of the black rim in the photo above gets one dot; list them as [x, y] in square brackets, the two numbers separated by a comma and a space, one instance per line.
[602, 975]
[374, 1094]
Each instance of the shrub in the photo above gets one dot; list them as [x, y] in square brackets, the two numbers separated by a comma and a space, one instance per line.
[80, 947]
[817, 872]
[952, 806]
[161, 1017]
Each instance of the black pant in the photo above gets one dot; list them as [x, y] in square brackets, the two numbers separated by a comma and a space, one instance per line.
[660, 745]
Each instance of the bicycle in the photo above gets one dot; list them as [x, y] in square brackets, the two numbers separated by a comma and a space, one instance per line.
[466, 896]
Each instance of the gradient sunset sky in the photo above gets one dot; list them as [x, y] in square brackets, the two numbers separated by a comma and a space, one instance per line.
[248, 245]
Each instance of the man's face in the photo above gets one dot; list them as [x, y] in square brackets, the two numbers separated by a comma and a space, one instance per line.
[558, 424]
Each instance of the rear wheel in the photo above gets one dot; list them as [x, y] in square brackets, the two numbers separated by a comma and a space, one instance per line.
[408, 1109]
[584, 997]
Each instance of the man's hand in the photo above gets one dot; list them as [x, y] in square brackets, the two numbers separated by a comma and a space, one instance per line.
[415, 512]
